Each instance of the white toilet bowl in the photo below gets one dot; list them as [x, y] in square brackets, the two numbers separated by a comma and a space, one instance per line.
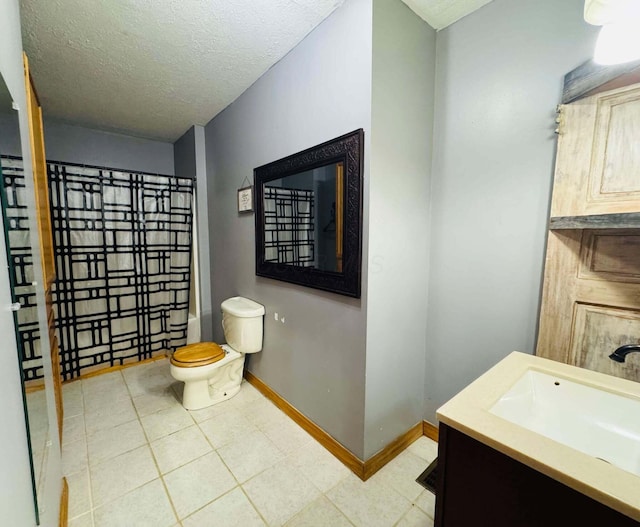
[214, 382]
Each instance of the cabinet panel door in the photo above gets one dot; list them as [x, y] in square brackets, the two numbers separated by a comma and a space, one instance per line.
[598, 158]
[615, 170]
[597, 331]
[591, 299]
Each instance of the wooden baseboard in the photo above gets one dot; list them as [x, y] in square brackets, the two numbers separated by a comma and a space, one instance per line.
[64, 504]
[350, 460]
[363, 469]
[35, 385]
[102, 371]
[430, 430]
[380, 459]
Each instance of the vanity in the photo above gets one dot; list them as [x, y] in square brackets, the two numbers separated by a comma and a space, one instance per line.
[535, 442]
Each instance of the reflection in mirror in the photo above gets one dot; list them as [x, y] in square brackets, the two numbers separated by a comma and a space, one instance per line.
[16, 220]
[309, 216]
[303, 219]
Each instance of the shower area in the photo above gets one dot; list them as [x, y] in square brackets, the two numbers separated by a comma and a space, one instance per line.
[123, 244]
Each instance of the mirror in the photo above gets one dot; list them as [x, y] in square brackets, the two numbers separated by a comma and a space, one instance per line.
[309, 216]
[16, 218]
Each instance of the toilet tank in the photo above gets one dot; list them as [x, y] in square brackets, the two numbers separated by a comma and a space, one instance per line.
[242, 322]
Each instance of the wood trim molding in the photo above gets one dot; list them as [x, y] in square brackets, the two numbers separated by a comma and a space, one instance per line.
[430, 430]
[363, 469]
[64, 504]
[110, 369]
[350, 460]
[380, 459]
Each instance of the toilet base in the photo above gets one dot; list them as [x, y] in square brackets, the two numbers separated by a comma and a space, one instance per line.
[222, 384]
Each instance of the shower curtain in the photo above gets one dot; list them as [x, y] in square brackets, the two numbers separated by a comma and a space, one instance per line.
[289, 226]
[122, 243]
[21, 264]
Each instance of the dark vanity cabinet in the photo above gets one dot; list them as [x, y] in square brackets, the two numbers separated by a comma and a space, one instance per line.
[481, 487]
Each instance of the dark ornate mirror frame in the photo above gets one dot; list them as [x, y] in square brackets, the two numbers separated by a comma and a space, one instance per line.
[348, 149]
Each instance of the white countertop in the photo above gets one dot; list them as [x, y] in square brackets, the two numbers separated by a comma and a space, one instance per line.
[469, 413]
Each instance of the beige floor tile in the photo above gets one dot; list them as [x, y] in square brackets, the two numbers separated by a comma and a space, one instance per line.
[319, 466]
[231, 510]
[69, 389]
[279, 493]
[226, 427]
[263, 414]
[109, 416]
[425, 448]
[120, 475]
[166, 422]
[415, 518]
[247, 396]
[288, 436]
[283, 470]
[74, 457]
[196, 484]
[73, 429]
[148, 378]
[179, 448]
[427, 502]
[102, 390]
[368, 504]
[249, 455]
[146, 506]
[113, 378]
[400, 474]
[150, 403]
[86, 520]
[79, 493]
[207, 413]
[72, 400]
[105, 398]
[115, 441]
[320, 513]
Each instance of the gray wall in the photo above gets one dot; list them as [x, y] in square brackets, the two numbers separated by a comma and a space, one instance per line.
[499, 77]
[190, 161]
[85, 146]
[320, 90]
[16, 496]
[76, 144]
[404, 49]
[184, 155]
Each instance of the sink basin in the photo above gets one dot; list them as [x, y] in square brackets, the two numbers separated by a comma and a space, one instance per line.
[594, 421]
[576, 426]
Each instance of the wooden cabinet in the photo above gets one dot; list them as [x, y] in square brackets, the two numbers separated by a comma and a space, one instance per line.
[479, 486]
[41, 186]
[591, 292]
[598, 157]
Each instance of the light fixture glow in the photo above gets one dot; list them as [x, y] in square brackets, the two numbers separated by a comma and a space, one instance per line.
[618, 42]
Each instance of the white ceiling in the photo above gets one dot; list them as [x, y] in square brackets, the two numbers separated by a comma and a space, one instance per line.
[152, 68]
[442, 13]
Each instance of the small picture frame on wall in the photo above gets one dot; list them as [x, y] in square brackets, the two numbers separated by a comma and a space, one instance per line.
[245, 199]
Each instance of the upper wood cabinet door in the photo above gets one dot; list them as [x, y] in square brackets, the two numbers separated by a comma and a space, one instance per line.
[598, 157]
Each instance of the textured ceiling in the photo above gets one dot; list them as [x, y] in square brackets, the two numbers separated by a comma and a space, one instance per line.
[442, 13]
[152, 68]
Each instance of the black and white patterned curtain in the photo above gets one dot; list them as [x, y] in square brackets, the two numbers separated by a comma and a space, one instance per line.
[289, 226]
[21, 265]
[122, 243]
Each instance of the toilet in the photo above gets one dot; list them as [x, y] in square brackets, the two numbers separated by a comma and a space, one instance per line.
[212, 373]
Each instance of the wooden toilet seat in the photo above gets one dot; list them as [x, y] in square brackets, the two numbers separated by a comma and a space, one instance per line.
[199, 354]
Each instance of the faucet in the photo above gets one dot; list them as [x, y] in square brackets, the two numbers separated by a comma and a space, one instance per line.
[620, 354]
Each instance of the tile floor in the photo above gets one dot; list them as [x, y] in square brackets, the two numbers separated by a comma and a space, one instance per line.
[134, 457]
